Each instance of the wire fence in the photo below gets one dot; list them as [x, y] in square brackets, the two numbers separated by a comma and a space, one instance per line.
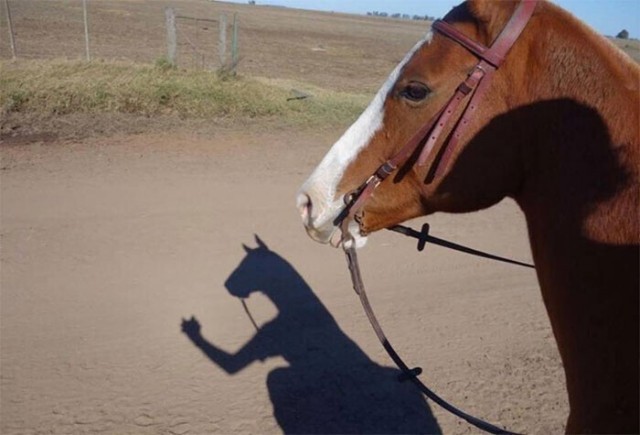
[202, 42]
[334, 51]
[90, 29]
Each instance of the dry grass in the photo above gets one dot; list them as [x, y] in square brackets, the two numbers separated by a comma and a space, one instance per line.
[629, 46]
[55, 88]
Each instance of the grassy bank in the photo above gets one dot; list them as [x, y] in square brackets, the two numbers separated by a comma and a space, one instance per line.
[73, 87]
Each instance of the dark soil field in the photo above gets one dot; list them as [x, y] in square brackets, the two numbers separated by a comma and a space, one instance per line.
[334, 51]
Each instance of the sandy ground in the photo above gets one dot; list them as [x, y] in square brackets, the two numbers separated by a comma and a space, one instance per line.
[107, 245]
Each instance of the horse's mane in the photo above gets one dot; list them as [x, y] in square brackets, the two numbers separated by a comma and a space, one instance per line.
[493, 16]
[597, 41]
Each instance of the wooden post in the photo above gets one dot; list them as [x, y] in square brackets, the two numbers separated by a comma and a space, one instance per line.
[172, 40]
[197, 28]
[12, 39]
[197, 56]
[234, 44]
[86, 30]
[222, 41]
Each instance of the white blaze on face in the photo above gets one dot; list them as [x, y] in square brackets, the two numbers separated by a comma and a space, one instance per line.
[317, 200]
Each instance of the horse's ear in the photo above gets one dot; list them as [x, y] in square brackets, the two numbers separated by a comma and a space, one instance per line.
[481, 9]
[260, 243]
[246, 248]
[493, 14]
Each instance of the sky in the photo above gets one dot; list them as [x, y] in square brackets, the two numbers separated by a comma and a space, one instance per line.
[606, 16]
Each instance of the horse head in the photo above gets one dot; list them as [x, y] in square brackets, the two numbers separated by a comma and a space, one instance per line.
[414, 93]
[256, 272]
[263, 270]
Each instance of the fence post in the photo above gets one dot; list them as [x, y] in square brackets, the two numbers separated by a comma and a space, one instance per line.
[222, 41]
[12, 39]
[172, 40]
[234, 44]
[86, 30]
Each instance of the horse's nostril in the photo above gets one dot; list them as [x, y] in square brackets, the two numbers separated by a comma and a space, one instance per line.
[304, 206]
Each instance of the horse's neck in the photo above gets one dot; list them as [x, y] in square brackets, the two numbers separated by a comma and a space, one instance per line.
[580, 197]
[583, 170]
[581, 183]
[579, 64]
[287, 289]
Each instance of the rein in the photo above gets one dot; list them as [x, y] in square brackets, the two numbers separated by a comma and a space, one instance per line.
[407, 373]
[424, 237]
[424, 141]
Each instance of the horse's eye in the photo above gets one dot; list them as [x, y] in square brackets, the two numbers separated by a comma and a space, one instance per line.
[415, 91]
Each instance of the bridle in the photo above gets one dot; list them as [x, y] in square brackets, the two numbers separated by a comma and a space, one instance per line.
[424, 140]
[423, 143]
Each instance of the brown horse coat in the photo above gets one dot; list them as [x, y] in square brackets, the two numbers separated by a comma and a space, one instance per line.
[559, 132]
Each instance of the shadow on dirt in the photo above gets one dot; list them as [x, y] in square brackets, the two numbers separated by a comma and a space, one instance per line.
[331, 386]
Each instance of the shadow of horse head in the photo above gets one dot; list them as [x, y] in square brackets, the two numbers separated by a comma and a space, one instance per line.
[330, 385]
[263, 270]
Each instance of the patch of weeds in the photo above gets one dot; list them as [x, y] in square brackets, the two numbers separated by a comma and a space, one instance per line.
[166, 93]
[102, 97]
[163, 64]
[17, 99]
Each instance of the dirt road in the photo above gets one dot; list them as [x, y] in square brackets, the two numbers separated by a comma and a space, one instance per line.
[108, 244]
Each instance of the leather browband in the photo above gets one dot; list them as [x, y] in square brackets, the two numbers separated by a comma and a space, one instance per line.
[459, 37]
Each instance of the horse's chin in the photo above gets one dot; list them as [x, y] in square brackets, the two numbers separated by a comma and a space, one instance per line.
[321, 227]
[333, 236]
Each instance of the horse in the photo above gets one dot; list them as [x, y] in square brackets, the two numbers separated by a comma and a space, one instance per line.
[329, 384]
[557, 131]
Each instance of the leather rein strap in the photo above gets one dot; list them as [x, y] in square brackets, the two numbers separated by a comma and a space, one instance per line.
[476, 86]
[407, 373]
